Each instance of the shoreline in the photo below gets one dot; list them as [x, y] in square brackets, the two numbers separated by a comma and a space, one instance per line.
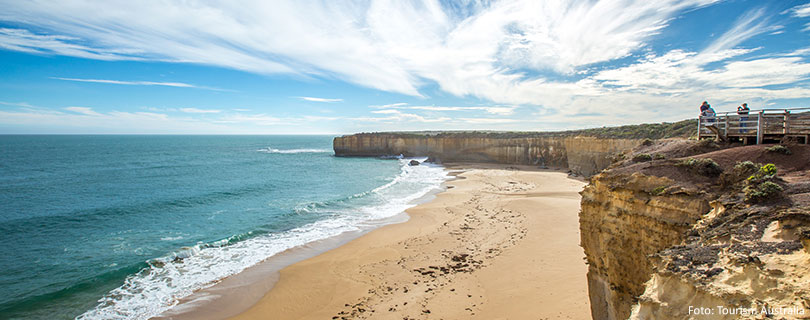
[449, 259]
[235, 294]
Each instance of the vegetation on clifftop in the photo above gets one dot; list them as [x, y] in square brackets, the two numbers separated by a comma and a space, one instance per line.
[680, 129]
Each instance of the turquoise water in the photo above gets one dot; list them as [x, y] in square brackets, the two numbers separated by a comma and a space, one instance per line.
[101, 227]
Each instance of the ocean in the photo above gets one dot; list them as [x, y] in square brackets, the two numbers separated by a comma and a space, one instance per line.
[123, 226]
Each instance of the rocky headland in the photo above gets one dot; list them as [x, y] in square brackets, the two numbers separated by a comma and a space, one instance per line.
[671, 228]
[582, 155]
[680, 229]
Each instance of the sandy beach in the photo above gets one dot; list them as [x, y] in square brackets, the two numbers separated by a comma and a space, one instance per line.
[502, 242]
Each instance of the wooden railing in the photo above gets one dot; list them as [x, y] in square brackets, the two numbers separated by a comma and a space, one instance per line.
[757, 124]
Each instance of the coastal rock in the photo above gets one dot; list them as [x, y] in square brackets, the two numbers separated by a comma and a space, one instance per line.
[583, 155]
[413, 163]
[664, 242]
[621, 223]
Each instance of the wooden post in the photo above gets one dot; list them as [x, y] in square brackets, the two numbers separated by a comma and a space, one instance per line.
[725, 129]
[760, 127]
[786, 126]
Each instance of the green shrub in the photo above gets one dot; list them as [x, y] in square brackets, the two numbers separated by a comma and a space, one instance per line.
[759, 187]
[768, 169]
[762, 192]
[642, 157]
[778, 149]
[740, 172]
[766, 172]
[746, 166]
[659, 156]
[704, 166]
[658, 190]
[646, 142]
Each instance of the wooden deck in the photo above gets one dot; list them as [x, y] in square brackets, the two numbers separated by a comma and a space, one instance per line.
[758, 126]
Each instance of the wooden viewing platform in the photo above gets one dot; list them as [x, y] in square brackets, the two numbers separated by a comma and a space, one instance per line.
[758, 126]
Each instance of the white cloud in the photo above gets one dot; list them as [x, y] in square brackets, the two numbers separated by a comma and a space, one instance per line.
[26, 41]
[801, 11]
[141, 83]
[132, 83]
[16, 104]
[86, 120]
[489, 51]
[313, 99]
[498, 110]
[387, 111]
[392, 105]
[748, 25]
[388, 45]
[395, 116]
[83, 110]
[195, 110]
[487, 120]
[799, 52]
[490, 110]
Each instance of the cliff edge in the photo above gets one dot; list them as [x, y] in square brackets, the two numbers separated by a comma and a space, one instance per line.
[677, 227]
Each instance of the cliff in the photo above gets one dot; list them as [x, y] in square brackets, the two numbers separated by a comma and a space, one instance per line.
[681, 227]
[582, 155]
[622, 222]
[673, 228]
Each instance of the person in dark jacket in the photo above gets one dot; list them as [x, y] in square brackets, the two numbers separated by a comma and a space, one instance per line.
[743, 110]
[703, 107]
[707, 111]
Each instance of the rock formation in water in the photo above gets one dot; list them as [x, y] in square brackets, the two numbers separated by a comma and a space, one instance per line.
[669, 233]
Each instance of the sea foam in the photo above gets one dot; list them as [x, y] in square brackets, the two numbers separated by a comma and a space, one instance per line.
[168, 279]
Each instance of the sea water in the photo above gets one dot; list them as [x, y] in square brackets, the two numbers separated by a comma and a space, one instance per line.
[124, 226]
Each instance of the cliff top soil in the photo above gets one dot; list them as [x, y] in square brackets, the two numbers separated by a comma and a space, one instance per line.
[668, 155]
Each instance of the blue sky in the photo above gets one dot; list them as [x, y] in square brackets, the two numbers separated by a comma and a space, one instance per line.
[333, 67]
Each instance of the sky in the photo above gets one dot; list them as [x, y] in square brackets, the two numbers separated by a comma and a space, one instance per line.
[339, 67]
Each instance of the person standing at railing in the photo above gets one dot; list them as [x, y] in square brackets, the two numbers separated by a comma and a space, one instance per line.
[743, 110]
[707, 112]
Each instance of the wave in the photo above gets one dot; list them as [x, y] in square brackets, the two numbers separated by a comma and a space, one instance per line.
[166, 280]
[291, 151]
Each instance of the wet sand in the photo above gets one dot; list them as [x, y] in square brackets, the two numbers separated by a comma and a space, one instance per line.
[502, 242]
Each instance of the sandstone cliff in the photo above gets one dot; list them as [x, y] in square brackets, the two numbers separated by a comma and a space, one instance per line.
[622, 222]
[668, 232]
[582, 155]
[666, 237]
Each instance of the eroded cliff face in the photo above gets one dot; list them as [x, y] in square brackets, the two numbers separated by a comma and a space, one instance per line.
[754, 268]
[582, 155]
[589, 155]
[623, 220]
[668, 238]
